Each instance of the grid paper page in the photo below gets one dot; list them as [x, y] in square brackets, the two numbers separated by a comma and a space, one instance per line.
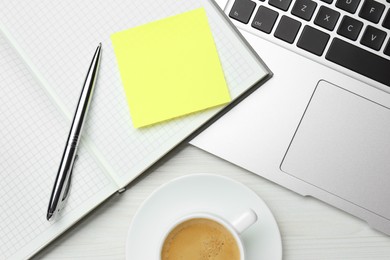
[33, 135]
[58, 38]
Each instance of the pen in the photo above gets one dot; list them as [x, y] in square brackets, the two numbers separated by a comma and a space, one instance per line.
[62, 182]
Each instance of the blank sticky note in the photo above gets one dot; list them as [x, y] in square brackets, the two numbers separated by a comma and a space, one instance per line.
[170, 68]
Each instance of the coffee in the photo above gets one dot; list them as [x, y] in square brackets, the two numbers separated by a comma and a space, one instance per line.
[200, 239]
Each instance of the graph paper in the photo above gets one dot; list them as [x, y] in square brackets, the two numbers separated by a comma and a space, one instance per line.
[55, 40]
[33, 133]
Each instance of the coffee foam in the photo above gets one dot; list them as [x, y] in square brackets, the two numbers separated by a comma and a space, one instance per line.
[200, 239]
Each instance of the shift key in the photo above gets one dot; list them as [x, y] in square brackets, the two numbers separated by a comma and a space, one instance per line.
[360, 61]
[242, 10]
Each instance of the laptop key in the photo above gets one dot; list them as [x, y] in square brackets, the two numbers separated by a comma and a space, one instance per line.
[372, 11]
[313, 40]
[386, 21]
[350, 28]
[327, 18]
[281, 4]
[242, 10]
[264, 19]
[348, 5]
[373, 38]
[387, 49]
[287, 29]
[359, 60]
[304, 9]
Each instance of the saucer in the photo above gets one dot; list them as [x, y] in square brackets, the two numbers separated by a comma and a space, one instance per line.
[202, 193]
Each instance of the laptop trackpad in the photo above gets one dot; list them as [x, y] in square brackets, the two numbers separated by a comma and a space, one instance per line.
[342, 146]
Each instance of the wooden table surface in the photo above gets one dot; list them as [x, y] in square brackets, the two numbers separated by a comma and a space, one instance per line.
[310, 229]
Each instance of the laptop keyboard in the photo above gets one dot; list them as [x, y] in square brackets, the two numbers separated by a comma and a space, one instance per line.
[351, 33]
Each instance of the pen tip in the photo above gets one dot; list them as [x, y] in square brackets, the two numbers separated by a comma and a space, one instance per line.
[49, 216]
[100, 44]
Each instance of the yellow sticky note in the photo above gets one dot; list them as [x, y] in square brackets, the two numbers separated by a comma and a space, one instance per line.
[170, 68]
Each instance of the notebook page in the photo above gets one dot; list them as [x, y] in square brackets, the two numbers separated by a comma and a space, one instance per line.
[33, 134]
[58, 39]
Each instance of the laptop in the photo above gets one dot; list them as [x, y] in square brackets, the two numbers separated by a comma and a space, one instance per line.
[321, 125]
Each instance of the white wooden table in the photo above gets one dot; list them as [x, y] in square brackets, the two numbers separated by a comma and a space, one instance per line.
[310, 229]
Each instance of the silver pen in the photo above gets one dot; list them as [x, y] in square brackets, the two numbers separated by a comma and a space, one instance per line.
[62, 182]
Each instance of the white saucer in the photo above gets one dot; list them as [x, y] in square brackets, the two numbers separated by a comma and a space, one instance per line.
[202, 193]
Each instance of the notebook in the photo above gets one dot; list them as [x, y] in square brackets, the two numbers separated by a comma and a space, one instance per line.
[45, 49]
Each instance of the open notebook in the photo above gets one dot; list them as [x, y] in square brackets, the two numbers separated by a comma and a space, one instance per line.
[45, 48]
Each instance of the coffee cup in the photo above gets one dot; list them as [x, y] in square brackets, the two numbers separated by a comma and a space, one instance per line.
[206, 236]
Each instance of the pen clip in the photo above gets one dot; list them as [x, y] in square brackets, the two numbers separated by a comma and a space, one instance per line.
[57, 207]
[66, 192]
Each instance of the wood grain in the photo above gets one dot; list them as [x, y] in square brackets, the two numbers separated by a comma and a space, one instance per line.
[310, 229]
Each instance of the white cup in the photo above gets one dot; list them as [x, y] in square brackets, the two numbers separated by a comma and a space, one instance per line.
[236, 227]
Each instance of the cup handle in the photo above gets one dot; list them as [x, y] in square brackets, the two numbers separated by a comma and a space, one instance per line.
[244, 221]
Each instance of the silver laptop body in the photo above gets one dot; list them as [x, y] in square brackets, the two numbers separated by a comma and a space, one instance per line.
[321, 125]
